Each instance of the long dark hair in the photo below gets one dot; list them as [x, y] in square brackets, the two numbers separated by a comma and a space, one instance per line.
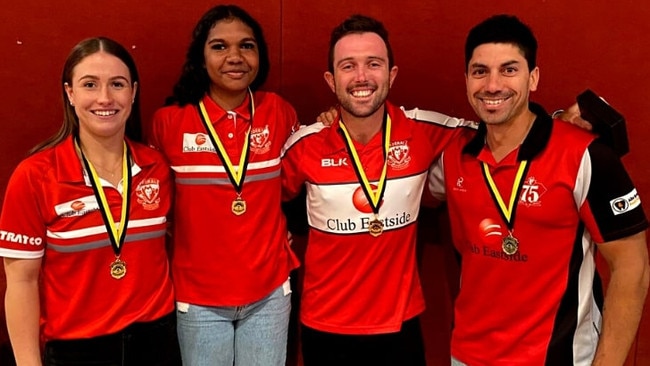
[194, 81]
[83, 49]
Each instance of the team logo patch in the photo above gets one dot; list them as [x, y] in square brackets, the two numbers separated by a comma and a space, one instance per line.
[398, 155]
[623, 204]
[200, 139]
[77, 207]
[148, 193]
[531, 192]
[197, 142]
[259, 140]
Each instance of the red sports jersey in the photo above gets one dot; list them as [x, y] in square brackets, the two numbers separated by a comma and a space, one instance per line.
[540, 305]
[221, 259]
[356, 283]
[50, 211]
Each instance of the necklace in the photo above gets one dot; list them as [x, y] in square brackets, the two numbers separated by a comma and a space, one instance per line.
[117, 167]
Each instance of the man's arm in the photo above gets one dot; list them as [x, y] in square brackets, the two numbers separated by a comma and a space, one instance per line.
[22, 306]
[628, 264]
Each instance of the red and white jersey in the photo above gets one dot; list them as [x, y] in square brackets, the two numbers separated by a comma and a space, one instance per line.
[221, 259]
[355, 283]
[50, 211]
[541, 305]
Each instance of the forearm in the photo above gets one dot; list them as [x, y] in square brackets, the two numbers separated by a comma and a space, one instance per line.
[623, 307]
[22, 306]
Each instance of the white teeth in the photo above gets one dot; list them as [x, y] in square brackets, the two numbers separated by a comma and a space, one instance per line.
[105, 113]
[361, 93]
[493, 101]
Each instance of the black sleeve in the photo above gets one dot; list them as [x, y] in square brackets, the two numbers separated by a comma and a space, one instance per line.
[612, 197]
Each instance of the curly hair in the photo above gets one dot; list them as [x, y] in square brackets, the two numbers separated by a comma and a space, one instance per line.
[194, 81]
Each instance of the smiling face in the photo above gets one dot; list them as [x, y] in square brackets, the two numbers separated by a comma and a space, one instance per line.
[499, 83]
[362, 76]
[101, 93]
[231, 58]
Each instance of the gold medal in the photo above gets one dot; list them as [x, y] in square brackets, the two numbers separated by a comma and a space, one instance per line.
[236, 173]
[374, 196]
[118, 268]
[238, 206]
[510, 245]
[375, 227]
[116, 233]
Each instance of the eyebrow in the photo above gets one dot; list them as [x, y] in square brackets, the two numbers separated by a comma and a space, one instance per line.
[507, 63]
[369, 58]
[94, 77]
[246, 39]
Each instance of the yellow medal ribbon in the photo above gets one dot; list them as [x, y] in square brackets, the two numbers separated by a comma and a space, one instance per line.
[117, 233]
[374, 196]
[236, 174]
[506, 211]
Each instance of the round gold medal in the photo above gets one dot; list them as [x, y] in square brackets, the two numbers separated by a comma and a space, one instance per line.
[510, 245]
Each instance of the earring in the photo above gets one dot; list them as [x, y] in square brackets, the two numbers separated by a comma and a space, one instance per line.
[72, 104]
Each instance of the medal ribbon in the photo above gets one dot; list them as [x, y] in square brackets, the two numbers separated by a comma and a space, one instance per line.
[373, 196]
[117, 234]
[507, 213]
[235, 175]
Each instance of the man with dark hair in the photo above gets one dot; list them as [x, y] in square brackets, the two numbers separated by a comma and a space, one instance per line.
[530, 201]
[364, 177]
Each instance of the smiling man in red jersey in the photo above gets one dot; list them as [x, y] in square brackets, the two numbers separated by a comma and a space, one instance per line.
[530, 201]
[364, 176]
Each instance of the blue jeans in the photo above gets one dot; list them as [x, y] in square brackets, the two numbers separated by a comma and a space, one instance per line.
[249, 335]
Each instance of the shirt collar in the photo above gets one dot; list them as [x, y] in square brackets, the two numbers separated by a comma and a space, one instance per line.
[216, 113]
[70, 168]
[533, 144]
[335, 140]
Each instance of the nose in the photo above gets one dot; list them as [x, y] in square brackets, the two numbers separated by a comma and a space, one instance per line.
[105, 96]
[493, 82]
[360, 74]
[234, 55]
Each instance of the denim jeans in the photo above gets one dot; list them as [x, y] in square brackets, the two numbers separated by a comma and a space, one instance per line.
[248, 335]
